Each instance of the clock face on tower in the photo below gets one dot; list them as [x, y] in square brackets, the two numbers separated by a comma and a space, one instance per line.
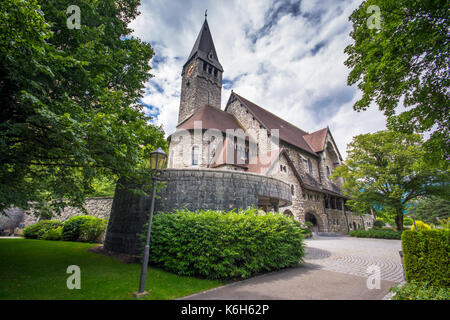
[189, 72]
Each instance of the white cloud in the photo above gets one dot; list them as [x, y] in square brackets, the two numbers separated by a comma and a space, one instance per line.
[290, 62]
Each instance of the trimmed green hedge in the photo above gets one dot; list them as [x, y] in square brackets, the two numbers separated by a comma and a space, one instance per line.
[219, 245]
[420, 291]
[426, 256]
[40, 230]
[84, 228]
[376, 233]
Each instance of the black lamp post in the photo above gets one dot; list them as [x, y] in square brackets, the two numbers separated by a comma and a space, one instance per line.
[157, 161]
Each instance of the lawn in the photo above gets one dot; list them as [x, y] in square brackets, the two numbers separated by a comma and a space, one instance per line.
[36, 269]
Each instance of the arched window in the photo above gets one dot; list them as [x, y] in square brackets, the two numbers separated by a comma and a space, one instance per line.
[195, 155]
[292, 189]
[328, 171]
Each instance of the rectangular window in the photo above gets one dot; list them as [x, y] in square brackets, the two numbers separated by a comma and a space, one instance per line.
[195, 156]
[310, 167]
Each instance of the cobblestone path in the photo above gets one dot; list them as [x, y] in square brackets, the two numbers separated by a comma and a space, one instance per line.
[354, 255]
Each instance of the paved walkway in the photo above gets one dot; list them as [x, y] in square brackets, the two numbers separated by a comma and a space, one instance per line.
[353, 256]
[335, 268]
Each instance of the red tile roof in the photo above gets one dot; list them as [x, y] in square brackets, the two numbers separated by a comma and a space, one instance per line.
[211, 118]
[316, 140]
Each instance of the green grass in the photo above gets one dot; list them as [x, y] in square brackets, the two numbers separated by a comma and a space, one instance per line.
[36, 269]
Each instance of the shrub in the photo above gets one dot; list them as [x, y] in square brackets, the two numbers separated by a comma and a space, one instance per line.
[421, 226]
[425, 256]
[376, 233]
[378, 224]
[93, 230]
[420, 291]
[218, 245]
[84, 228]
[38, 230]
[53, 234]
[444, 223]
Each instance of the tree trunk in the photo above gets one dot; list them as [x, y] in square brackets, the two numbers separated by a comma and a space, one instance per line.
[399, 219]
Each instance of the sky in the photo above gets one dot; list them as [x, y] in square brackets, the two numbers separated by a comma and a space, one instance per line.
[286, 56]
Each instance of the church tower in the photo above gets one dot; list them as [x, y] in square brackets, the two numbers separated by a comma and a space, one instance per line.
[201, 81]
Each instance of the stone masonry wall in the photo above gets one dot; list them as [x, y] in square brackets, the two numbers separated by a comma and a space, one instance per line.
[198, 89]
[97, 207]
[192, 189]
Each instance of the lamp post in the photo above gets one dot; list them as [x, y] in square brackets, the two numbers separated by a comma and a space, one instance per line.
[157, 161]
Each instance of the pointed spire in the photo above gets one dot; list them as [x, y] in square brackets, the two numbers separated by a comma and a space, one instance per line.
[204, 47]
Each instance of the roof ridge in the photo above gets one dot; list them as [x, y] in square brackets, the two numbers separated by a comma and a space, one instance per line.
[326, 128]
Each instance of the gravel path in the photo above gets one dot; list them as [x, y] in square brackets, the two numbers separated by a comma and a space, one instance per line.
[354, 255]
[335, 268]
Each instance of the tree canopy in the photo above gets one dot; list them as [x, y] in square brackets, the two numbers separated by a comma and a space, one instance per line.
[430, 209]
[70, 101]
[403, 67]
[386, 170]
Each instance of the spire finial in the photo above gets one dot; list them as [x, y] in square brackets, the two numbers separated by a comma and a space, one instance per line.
[206, 13]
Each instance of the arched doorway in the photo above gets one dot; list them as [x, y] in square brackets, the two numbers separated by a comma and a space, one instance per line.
[310, 217]
[288, 213]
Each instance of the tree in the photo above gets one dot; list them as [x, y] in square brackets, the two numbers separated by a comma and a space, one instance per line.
[386, 170]
[405, 63]
[430, 209]
[70, 101]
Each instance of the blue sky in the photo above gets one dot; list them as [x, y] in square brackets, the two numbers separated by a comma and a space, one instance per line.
[286, 56]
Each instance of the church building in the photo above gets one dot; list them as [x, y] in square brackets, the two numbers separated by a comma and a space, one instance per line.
[247, 138]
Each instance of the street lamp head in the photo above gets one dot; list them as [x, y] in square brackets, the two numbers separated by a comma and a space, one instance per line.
[158, 159]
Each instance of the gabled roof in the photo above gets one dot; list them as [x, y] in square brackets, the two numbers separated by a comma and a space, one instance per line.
[288, 132]
[203, 46]
[316, 140]
[211, 118]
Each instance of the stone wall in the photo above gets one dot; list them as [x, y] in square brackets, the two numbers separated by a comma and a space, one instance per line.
[192, 189]
[97, 207]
